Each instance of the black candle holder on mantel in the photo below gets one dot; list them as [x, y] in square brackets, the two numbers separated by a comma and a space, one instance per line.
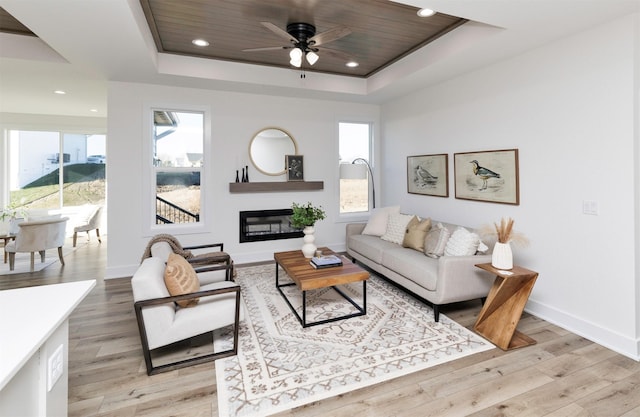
[245, 174]
[237, 176]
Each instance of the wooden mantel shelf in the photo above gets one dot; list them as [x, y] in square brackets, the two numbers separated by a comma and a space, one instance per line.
[269, 187]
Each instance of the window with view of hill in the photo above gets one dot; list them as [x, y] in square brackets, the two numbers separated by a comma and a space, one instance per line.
[178, 161]
[49, 170]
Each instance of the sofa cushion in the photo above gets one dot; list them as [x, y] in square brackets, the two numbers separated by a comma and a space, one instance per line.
[396, 227]
[415, 234]
[436, 241]
[377, 224]
[180, 278]
[413, 265]
[462, 243]
[370, 247]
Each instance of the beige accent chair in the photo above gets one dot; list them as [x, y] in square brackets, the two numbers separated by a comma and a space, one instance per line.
[90, 220]
[38, 236]
[162, 322]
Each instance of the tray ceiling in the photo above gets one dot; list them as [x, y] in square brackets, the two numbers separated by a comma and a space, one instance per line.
[381, 31]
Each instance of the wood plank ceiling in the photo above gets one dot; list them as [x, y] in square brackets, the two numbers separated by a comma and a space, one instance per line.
[382, 31]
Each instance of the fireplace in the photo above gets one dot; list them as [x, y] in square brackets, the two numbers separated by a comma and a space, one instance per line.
[260, 225]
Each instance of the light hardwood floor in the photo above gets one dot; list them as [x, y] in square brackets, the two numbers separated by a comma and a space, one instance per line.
[562, 375]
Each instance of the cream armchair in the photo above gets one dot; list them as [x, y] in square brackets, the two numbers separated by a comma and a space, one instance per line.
[89, 221]
[38, 236]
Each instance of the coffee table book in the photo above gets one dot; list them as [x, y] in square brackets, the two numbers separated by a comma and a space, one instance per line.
[327, 261]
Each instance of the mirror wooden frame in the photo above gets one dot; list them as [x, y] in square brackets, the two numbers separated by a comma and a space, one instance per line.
[276, 158]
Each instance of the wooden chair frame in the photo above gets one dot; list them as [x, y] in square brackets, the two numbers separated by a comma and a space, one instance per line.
[139, 305]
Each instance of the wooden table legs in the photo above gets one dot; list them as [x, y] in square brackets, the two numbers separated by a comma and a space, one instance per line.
[501, 312]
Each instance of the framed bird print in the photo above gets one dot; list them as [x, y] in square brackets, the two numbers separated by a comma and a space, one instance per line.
[490, 176]
[428, 175]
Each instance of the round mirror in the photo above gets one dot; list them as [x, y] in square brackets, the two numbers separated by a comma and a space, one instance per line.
[268, 148]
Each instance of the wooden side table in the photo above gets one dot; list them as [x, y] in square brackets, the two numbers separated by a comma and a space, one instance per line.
[501, 312]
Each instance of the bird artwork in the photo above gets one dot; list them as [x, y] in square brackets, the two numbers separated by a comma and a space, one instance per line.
[424, 177]
[483, 173]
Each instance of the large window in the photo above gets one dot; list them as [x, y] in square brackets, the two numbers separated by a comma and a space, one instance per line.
[355, 148]
[51, 170]
[178, 155]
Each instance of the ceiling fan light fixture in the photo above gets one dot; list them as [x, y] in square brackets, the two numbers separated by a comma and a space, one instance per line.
[296, 54]
[296, 57]
[426, 12]
[312, 57]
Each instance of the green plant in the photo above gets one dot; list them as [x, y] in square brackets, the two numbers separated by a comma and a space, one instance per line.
[306, 215]
[12, 211]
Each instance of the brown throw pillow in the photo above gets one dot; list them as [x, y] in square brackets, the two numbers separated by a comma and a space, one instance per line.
[415, 233]
[180, 278]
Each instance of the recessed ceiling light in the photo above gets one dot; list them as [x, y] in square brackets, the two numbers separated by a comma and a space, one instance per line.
[59, 92]
[352, 64]
[426, 12]
[94, 110]
[200, 42]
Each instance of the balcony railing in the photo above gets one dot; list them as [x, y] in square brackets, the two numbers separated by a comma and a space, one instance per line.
[169, 213]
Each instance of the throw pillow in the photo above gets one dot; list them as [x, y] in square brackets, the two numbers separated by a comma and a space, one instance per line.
[396, 226]
[436, 241]
[462, 243]
[416, 233]
[180, 278]
[377, 224]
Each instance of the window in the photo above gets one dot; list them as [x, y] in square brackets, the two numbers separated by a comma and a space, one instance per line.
[354, 146]
[178, 163]
[51, 170]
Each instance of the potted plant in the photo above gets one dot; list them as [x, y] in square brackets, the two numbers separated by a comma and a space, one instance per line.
[305, 216]
[8, 215]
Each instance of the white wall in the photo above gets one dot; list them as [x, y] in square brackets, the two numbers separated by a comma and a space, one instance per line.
[236, 118]
[571, 109]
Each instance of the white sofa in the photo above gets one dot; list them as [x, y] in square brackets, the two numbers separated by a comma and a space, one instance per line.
[441, 280]
[162, 322]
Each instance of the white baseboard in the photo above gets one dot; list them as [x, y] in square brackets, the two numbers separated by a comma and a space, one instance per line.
[619, 343]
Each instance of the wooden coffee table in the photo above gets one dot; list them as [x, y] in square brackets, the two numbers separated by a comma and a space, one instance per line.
[306, 278]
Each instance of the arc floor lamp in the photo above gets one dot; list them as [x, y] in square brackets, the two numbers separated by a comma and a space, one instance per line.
[356, 171]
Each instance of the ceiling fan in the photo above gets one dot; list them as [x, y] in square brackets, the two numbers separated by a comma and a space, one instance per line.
[305, 42]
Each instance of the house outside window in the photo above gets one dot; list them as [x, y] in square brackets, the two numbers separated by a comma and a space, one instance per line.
[48, 170]
[178, 165]
[354, 146]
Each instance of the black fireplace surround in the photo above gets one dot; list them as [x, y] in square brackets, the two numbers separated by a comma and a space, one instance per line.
[260, 225]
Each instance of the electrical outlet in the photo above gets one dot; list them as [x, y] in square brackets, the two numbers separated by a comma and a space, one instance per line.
[55, 367]
[590, 207]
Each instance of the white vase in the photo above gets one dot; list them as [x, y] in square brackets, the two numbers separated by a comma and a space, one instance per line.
[309, 249]
[502, 257]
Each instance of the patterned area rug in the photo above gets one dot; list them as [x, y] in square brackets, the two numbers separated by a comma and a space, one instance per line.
[281, 366]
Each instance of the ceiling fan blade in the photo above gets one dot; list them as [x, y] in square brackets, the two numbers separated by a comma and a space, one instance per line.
[268, 48]
[330, 35]
[334, 53]
[275, 29]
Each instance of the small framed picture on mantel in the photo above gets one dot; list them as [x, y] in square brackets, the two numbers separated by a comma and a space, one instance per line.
[295, 167]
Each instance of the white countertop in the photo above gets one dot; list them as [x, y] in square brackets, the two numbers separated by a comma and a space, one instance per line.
[28, 316]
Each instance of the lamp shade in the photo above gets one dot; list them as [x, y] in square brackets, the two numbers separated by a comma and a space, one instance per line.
[312, 57]
[353, 171]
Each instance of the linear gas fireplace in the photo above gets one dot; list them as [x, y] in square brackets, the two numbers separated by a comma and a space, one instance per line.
[262, 225]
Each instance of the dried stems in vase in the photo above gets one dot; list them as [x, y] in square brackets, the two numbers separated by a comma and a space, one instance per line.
[506, 233]
[505, 230]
